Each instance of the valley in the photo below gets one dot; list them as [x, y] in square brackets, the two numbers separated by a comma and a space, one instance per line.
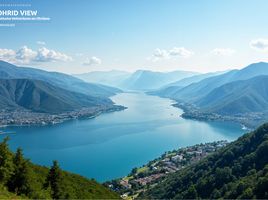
[133, 99]
[112, 144]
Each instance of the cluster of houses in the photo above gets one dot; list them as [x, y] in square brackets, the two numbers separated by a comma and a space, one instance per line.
[169, 162]
[26, 117]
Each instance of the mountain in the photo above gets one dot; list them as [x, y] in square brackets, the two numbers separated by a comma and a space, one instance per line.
[193, 79]
[149, 80]
[112, 78]
[9, 71]
[237, 171]
[40, 96]
[173, 88]
[238, 97]
[21, 179]
[196, 91]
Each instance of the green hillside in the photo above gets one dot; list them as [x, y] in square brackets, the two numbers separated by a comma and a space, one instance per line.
[239, 170]
[67, 82]
[198, 90]
[20, 179]
[40, 96]
[238, 97]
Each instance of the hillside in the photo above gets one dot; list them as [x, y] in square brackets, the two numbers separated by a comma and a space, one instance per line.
[196, 91]
[239, 170]
[40, 96]
[193, 79]
[149, 80]
[9, 71]
[238, 97]
[21, 179]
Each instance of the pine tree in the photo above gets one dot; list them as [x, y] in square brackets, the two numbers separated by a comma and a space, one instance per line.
[20, 181]
[54, 180]
[6, 162]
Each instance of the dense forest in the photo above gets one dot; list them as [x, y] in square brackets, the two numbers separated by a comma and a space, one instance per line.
[21, 179]
[239, 170]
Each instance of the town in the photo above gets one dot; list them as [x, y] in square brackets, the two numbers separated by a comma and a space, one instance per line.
[149, 175]
[26, 117]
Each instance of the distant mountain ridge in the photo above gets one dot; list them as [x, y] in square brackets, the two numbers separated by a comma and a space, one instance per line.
[238, 97]
[138, 80]
[149, 80]
[65, 81]
[196, 91]
[112, 78]
[40, 96]
[33, 96]
[193, 79]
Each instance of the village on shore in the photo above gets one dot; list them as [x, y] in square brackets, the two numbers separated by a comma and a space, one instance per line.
[149, 175]
[25, 117]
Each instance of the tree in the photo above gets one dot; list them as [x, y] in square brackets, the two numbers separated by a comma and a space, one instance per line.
[20, 181]
[134, 170]
[54, 180]
[215, 194]
[6, 162]
[191, 193]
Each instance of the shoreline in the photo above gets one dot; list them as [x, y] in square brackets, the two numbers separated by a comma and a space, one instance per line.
[152, 172]
[28, 118]
[193, 113]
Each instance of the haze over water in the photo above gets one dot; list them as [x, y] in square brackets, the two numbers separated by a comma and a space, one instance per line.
[110, 145]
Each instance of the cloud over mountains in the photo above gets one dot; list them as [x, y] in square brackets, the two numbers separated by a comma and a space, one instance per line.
[25, 55]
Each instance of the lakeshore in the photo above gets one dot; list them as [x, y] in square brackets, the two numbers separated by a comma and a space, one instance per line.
[29, 118]
[248, 121]
[149, 175]
[100, 144]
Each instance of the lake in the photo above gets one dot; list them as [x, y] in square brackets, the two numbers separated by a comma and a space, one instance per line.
[110, 145]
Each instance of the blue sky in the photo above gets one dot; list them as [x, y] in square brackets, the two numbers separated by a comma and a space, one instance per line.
[162, 35]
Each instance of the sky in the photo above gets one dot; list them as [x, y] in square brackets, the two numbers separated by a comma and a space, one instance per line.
[158, 35]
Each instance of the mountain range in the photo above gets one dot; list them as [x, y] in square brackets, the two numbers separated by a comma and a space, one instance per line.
[40, 96]
[49, 92]
[139, 80]
[196, 91]
[193, 79]
[112, 78]
[10, 71]
[238, 97]
[240, 93]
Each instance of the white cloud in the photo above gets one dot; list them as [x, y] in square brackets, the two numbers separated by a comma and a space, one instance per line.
[41, 43]
[180, 51]
[47, 55]
[26, 55]
[259, 44]
[7, 54]
[223, 51]
[174, 52]
[158, 53]
[92, 61]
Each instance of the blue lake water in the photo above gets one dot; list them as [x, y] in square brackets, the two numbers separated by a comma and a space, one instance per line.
[110, 145]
